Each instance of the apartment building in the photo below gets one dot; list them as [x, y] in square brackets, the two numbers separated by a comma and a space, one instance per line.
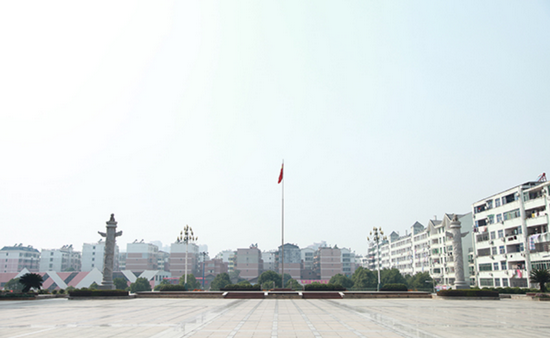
[348, 261]
[292, 260]
[178, 261]
[249, 262]
[423, 249]
[141, 256]
[511, 235]
[327, 262]
[60, 260]
[92, 256]
[18, 257]
[228, 256]
[270, 260]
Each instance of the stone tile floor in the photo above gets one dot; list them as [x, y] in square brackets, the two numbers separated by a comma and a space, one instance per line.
[201, 318]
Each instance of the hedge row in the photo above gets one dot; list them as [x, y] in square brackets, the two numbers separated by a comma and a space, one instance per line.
[324, 287]
[98, 293]
[237, 287]
[467, 293]
[16, 295]
[509, 290]
[172, 287]
[394, 287]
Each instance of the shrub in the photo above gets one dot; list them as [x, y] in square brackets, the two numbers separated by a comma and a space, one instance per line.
[61, 291]
[241, 287]
[467, 293]
[97, 293]
[172, 287]
[16, 295]
[54, 292]
[394, 287]
[324, 287]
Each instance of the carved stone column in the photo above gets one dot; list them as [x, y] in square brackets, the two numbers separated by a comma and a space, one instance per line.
[109, 253]
[456, 235]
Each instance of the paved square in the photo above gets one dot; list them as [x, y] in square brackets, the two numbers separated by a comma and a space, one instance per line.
[200, 318]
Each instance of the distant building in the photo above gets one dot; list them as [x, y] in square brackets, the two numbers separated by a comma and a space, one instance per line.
[292, 260]
[60, 260]
[92, 256]
[178, 260]
[327, 262]
[214, 267]
[348, 261]
[307, 256]
[18, 257]
[270, 260]
[249, 262]
[228, 256]
[141, 256]
[163, 261]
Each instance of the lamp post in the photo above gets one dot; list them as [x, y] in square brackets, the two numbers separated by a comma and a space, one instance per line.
[204, 254]
[376, 235]
[185, 236]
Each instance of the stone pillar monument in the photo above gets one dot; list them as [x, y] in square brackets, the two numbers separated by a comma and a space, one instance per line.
[109, 255]
[456, 235]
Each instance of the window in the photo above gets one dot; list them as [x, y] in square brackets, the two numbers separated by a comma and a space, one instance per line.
[497, 281]
[485, 267]
[521, 247]
[495, 266]
[502, 249]
[511, 214]
[499, 218]
[497, 202]
[490, 219]
[486, 282]
[500, 233]
[494, 251]
[489, 204]
[505, 282]
[493, 235]
[503, 265]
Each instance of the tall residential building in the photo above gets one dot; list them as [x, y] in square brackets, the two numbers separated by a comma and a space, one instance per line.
[270, 260]
[163, 261]
[215, 266]
[178, 259]
[92, 256]
[327, 262]
[16, 258]
[228, 256]
[60, 260]
[249, 262]
[292, 260]
[348, 261]
[511, 235]
[141, 256]
[423, 249]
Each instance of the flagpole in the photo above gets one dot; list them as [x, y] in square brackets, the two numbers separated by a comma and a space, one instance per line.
[283, 232]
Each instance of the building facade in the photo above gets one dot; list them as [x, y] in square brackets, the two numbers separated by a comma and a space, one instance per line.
[18, 257]
[141, 256]
[292, 260]
[249, 262]
[92, 256]
[60, 260]
[178, 261]
[511, 235]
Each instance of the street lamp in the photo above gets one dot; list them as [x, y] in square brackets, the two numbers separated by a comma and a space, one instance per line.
[185, 236]
[376, 235]
[204, 254]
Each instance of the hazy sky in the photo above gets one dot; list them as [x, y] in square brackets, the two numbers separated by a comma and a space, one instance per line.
[174, 113]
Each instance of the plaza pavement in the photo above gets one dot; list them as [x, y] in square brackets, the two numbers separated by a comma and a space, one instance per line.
[199, 318]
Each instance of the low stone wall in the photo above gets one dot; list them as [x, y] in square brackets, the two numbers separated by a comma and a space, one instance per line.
[179, 294]
[386, 294]
[283, 295]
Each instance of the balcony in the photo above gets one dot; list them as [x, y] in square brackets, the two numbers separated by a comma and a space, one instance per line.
[535, 220]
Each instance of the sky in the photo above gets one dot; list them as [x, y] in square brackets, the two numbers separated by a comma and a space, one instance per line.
[171, 113]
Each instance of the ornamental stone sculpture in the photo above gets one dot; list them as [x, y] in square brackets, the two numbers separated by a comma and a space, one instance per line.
[456, 235]
[109, 254]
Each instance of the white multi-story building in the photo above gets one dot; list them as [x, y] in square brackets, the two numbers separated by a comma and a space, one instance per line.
[423, 249]
[511, 235]
[60, 260]
[227, 256]
[18, 257]
[92, 256]
[348, 261]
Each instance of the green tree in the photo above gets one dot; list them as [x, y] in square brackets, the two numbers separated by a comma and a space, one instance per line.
[220, 281]
[31, 281]
[192, 283]
[141, 284]
[13, 285]
[268, 285]
[270, 276]
[419, 281]
[293, 284]
[162, 282]
[244, 283]
[540, 276]
[120, 283]
[93, 286]
[234, 276]
[363, 279]
[342, 280]
[391, 276]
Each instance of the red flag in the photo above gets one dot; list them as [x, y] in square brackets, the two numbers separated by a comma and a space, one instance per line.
[281, 174]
